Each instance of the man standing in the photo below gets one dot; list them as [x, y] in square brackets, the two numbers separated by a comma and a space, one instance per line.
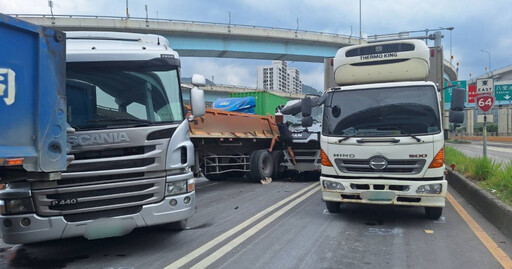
[285, 137]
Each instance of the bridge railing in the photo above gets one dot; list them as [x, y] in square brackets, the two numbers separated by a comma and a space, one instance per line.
[182, 21]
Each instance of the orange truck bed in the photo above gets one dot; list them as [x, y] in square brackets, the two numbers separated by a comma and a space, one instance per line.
[223, 124]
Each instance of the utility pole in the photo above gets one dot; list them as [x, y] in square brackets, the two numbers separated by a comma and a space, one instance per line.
[485, 136]
[127, 13]
[360, 31]
[450, 29]
[488, 54]
[50, 4]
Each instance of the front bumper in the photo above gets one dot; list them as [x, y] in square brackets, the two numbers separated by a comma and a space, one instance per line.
[382, 191]
[50, 228]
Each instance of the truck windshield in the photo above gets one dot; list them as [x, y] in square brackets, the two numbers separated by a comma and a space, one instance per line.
[125, 94]
[397, 111]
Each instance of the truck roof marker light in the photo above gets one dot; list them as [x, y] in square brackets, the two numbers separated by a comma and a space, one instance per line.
[325, 159]
[332, 61]
[13, 162]
[432, 52]
[438, 160]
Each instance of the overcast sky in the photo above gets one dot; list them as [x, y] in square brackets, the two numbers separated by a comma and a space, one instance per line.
[479, 25]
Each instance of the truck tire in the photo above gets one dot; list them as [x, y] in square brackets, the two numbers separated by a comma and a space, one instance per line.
[261, 165]
[277, 158]
[333, 207]
[433, 213]
[176, 226]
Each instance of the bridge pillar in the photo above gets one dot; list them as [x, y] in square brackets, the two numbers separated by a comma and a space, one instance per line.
[470, 122]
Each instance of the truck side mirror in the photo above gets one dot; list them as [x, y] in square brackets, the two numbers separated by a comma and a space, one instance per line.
[458, 96]
[456, 117]
[306, 106]
[198, 80]
[457, 106]
[307, 121]
[197, 103]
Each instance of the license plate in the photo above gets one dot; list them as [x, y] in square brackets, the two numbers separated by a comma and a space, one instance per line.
[103, 228]
[378, 196]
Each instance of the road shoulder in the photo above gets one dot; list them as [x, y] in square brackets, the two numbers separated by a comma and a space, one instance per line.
[493, 209]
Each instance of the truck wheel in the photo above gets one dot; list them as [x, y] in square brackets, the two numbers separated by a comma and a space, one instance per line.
[333, 207]
[433, 212]
[176, 226]
[261, 165]
[277, 158]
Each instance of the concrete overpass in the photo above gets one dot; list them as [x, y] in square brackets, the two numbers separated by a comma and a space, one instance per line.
[212, 92]
[204, 39]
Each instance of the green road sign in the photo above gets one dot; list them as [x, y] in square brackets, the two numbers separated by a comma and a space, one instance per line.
[503, 92]
[449, 85]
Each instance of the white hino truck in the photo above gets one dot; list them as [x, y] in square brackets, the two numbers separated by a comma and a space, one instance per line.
[382, 137]
[131, 145]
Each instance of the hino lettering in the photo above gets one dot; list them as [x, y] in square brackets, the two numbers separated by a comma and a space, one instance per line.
[344, 155]
[105, 138]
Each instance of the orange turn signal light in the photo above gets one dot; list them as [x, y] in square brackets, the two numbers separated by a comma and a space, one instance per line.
[438, 160]
[13, 162]
[325, 160]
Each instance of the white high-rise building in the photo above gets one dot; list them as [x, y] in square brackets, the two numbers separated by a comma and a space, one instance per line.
[294, 78]
[278, 77]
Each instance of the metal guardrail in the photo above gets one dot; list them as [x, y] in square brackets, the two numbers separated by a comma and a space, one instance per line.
[184, 21]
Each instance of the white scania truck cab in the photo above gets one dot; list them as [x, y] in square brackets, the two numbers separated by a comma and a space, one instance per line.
[382, 137]
[131, 146]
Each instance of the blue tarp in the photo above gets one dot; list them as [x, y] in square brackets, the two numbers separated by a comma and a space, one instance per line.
[243, 105]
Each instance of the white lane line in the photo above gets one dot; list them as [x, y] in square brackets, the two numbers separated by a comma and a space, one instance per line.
[192, 255]
[240, 239]
[508, 150]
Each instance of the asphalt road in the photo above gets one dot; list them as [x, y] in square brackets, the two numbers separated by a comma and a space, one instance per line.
[499, 152]
[283, 224]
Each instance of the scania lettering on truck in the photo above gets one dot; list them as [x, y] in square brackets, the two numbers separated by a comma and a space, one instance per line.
[131, 146]
[382, 139]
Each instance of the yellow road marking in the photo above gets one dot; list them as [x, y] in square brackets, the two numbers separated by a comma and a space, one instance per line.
[240, 239]
[192, 255]
[495, 250]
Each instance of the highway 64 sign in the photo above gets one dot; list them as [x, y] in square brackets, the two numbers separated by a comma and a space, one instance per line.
[485, 102]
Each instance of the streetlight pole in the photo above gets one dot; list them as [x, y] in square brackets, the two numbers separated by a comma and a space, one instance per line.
[488, 54]
[450, 29]
[360, 32]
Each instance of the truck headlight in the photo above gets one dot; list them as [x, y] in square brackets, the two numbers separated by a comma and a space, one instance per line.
[180, 187]
[430, 189]
[333, 186]
[177, 187]
[16, 206]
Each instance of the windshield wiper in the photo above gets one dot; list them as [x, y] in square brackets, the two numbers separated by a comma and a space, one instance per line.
[118, 120]
[409, 134]
[347, 137]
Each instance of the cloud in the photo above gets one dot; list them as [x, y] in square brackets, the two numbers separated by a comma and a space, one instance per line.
[478, 24]
[223, 71]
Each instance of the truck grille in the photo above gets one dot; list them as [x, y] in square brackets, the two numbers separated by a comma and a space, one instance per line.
[394, 166]
[92, 198]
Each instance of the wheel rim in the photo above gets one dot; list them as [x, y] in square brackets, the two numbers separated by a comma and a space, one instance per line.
[266, 165]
